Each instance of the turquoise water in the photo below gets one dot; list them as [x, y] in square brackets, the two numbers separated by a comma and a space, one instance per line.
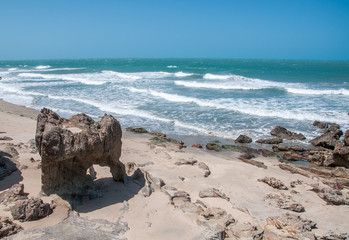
[222, 98]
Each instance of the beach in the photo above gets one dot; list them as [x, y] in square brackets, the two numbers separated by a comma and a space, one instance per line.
[243, 197]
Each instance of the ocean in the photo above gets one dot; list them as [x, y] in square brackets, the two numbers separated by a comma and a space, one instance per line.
[208, 97]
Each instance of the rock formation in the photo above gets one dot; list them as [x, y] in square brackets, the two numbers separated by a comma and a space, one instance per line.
[69, 147]
[283, 133]
[30, 209]
[243, 139]
[273, 182]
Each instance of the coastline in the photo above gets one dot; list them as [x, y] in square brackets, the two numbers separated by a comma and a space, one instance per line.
[153, 217]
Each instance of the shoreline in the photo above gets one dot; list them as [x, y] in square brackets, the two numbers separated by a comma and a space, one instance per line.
[154, 217]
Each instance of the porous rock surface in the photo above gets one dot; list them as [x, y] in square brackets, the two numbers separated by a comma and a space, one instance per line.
[68, 147]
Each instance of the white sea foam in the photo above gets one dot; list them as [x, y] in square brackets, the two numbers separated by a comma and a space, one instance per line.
[305, 91]
[171, 66]
[225, 86]
[182, 74]
[217, 77]
[42, 67]
[12, 69]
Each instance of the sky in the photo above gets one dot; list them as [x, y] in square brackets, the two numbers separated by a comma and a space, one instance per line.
[268, 29]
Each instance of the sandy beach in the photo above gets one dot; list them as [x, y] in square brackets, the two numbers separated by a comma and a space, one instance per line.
[245, 201]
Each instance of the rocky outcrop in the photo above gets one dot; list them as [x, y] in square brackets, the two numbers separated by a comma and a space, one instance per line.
[30, 209]
[243, 139]
[283, 133]
[273, 182]
[289, 227]
[328, 140]
[269, 141]
[68, 147]
[7, 227]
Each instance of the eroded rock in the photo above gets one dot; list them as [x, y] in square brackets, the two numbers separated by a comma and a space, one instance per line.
[283, 133]
[332, 196]
[243, 139]
[7, 227]
[68, 147]
[273, 182]
[30, 209]
[284, 201]
[327, 140]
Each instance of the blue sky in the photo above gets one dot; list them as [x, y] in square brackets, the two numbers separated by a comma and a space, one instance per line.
[280, 29]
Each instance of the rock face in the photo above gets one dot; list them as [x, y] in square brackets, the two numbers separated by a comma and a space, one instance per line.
[283, 133]
[243, 139]
[68, 147]
[30, 209]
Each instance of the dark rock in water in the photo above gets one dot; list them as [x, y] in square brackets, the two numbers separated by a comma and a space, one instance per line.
[321, 125]
[213, 147]
[137, 130]
[7, 227]
[269, 141]
[68, 147]
[327, 140]
[281, 148]
[283, 133]
[346, 138]
[30, 209]
[243, 139]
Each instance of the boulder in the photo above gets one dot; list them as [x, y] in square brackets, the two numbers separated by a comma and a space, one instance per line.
[328, 140]
[68, 147]
[30, 209]
[283, 133]
[269, 141]
[243, 139]
[321, 125]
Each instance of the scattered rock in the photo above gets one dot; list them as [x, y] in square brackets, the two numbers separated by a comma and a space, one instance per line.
[332, 196]
[181, 178]
[293, 184]
[196, 145]
[136, 130]
[212, 192]
[204, 167]
[283, 133]
[5, 138]
[269, 141]
[289, 227]
[7, 227]
[32, 160]
[285, 202]
[185, 162]
[253, 162]
[213, 147]
[68, 147]
[273, 182]
[158, 134]
[243, 139]
[15, 193]
[30, 209]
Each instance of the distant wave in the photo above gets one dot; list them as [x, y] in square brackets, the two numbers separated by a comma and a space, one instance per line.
[85, 78]
[171, 66]
[341, 91]
[261, 108]
[217, 77]
[226, 86]
[42, 67]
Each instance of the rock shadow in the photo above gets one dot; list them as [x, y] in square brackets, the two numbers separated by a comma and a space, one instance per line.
[112, 192]
[9, 174]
